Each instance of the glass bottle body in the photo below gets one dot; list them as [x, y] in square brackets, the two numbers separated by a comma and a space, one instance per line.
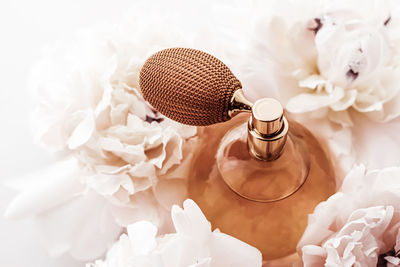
[261, 203]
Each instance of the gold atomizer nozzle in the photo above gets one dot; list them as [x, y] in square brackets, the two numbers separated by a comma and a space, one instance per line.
[267, 129]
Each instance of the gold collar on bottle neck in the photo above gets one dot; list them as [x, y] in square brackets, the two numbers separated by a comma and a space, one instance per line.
[267, 127]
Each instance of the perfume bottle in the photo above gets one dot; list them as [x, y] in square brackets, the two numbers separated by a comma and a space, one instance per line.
[257, 175]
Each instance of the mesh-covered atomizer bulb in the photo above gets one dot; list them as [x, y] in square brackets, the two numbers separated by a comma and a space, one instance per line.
[195, 88]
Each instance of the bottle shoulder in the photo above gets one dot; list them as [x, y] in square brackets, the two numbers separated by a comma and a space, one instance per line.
[258, 180]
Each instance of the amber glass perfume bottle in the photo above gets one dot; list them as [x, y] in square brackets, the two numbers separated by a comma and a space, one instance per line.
[256, 176]
[264, 202]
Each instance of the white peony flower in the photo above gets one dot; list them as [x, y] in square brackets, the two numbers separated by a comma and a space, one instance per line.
[193, 245]
[69, 216]
[90, 107]
[334, 57]
[129, 161]
[302, 59]
[358, 226]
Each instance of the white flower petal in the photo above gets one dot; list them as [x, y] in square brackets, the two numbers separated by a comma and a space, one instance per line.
[141, 207]
[187, 247]
[312, 82]
[119, 114]
[311, 102]
[229, 251]
[346, 102]
[107, 88]
[362, 219]
[143, 237]
[87, 227]
[107, 185]
[190, 220]
[172, 153]
[313, 256]
[53, 186]
[384, 153]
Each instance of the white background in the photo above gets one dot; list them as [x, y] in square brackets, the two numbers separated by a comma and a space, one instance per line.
[25, 28]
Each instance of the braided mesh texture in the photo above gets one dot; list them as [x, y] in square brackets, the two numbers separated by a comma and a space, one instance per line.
[188, 86]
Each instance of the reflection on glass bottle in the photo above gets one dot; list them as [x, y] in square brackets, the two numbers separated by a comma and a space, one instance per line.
[262, 202]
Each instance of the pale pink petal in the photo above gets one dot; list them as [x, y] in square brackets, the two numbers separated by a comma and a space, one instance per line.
[313, 256]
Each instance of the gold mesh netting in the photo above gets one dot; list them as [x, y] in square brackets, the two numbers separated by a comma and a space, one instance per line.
[188, 86]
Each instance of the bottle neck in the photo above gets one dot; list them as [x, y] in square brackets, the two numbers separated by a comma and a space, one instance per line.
[267, 130]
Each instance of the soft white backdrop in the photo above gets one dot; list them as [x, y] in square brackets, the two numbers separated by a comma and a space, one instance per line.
[25, 28]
